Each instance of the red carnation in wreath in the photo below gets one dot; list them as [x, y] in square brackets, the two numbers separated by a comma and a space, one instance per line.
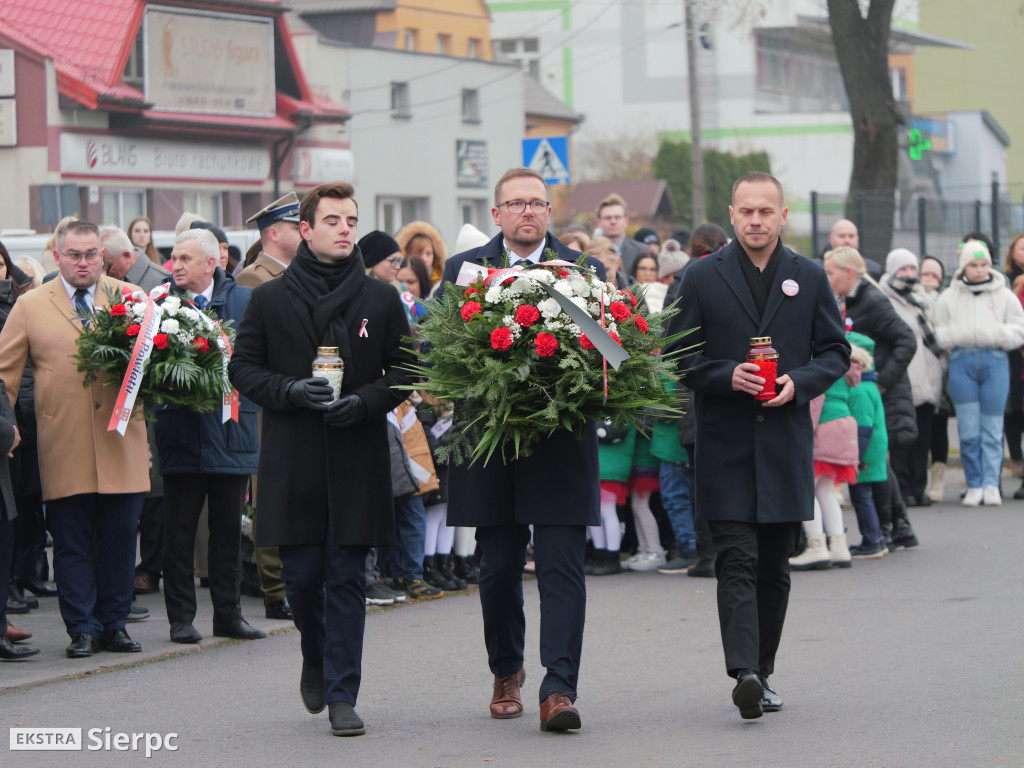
[501, 338]
[527, 315]
[201, 345]
[585, 342]
[631, 297]
[160, 341]
[118, 309]
[615, 336]
[640, 323]
[469, 309]
[546, 344]
[619, 311]
[133, 330]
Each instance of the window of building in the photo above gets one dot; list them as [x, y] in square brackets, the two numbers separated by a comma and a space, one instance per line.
[393, 213]
[400, 100]
[797, 71]
[475, 212]
[133, 68]
[470, 105]
[121, 206]
[206, 204]
[444, 44]
[412, 39]
[525, 51]
[472, 48]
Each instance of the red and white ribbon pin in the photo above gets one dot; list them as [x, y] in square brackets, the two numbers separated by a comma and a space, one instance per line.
[362, 329]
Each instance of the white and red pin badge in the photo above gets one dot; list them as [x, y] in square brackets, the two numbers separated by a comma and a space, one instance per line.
[362, 329]
[790, 287]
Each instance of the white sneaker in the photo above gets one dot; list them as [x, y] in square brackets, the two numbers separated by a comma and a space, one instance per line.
[991, 496]
[629, 562]
[973, 497]
[650, 561]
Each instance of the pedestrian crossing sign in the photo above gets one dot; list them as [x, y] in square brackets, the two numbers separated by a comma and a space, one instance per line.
[549, 157]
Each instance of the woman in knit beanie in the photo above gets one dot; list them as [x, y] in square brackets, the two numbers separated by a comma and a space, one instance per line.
[978, 319]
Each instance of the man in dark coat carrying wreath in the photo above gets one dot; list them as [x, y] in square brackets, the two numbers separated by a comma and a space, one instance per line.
[324, 471]
[753, 464]
[555, 489]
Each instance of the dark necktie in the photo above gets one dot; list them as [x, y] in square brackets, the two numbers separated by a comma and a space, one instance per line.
[82, 306]
[199, 301]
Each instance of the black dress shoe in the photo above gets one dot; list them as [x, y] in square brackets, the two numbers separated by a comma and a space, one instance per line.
[747, 695]
[184, 633]
[37, 587]
[83, 644]
[11, 652]
[279, 609]
[240, 630]
[16, 606]
[771, 701]
[118, 641]
[17, 594]
[345, 721]
[311, 688]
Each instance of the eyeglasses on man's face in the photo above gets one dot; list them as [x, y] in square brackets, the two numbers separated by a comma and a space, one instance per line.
[538, 207]
[394, 261]
[75, 256]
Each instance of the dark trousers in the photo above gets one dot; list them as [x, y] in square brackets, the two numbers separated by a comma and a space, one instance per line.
[406, 557]
[910, 462]
[940, 437]
[94, 558]
[6, 552]
[753, 590]
[558, 552]
[151, 537]
[29, 528]
[183, 504]
[324, 585]
[1013, 426]
[705, 548]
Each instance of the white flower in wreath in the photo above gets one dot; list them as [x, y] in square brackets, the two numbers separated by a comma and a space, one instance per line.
[169, 326]
[493, 294]
[579, 284]
[549, 308]
[140, 296]
[172, 304]
[189, 314]
[579, 302]
[139, 309]
[594, 309]
[186, 336]
[564, 287]
[543, 275]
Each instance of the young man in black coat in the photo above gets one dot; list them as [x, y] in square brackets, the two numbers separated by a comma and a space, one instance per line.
[754, 465]
[555, 489]
[324, 477]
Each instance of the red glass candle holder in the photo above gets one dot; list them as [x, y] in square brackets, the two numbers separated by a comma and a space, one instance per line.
[766, 359]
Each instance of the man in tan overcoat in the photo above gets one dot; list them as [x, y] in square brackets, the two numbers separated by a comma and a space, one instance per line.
[93, 479]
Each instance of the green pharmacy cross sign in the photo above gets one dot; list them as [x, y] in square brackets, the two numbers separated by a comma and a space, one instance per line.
[918, 143]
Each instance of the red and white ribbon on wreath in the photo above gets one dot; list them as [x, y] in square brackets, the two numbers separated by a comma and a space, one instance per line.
[132, 382]
[229, 406]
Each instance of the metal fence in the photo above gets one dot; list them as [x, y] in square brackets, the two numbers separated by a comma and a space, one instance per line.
[932, 226]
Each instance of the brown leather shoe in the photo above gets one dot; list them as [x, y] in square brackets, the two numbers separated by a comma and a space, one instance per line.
[557, 713]
[145, 584]
[16, 635]
[506, 701]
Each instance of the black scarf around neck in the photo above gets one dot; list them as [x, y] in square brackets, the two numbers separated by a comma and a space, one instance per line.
[331, 291]
[911, 291]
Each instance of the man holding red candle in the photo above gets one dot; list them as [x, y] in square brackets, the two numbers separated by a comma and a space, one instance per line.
[754, 466]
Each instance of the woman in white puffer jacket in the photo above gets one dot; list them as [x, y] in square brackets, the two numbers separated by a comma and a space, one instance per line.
[978, 319]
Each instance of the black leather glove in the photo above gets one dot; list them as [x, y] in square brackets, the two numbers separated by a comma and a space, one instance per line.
[346, 411]
[313, 393]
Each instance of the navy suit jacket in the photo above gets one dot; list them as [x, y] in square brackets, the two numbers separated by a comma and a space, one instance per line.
[558, 484]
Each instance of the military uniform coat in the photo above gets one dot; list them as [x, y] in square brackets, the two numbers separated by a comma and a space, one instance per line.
[262, 270]
[558, 484]
[315, 478]
[76, 452]
[754, 464]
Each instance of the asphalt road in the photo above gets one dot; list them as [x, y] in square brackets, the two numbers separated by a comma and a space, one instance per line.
[911, 661]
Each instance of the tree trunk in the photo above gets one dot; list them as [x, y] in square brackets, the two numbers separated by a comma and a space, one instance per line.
[862, 49]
